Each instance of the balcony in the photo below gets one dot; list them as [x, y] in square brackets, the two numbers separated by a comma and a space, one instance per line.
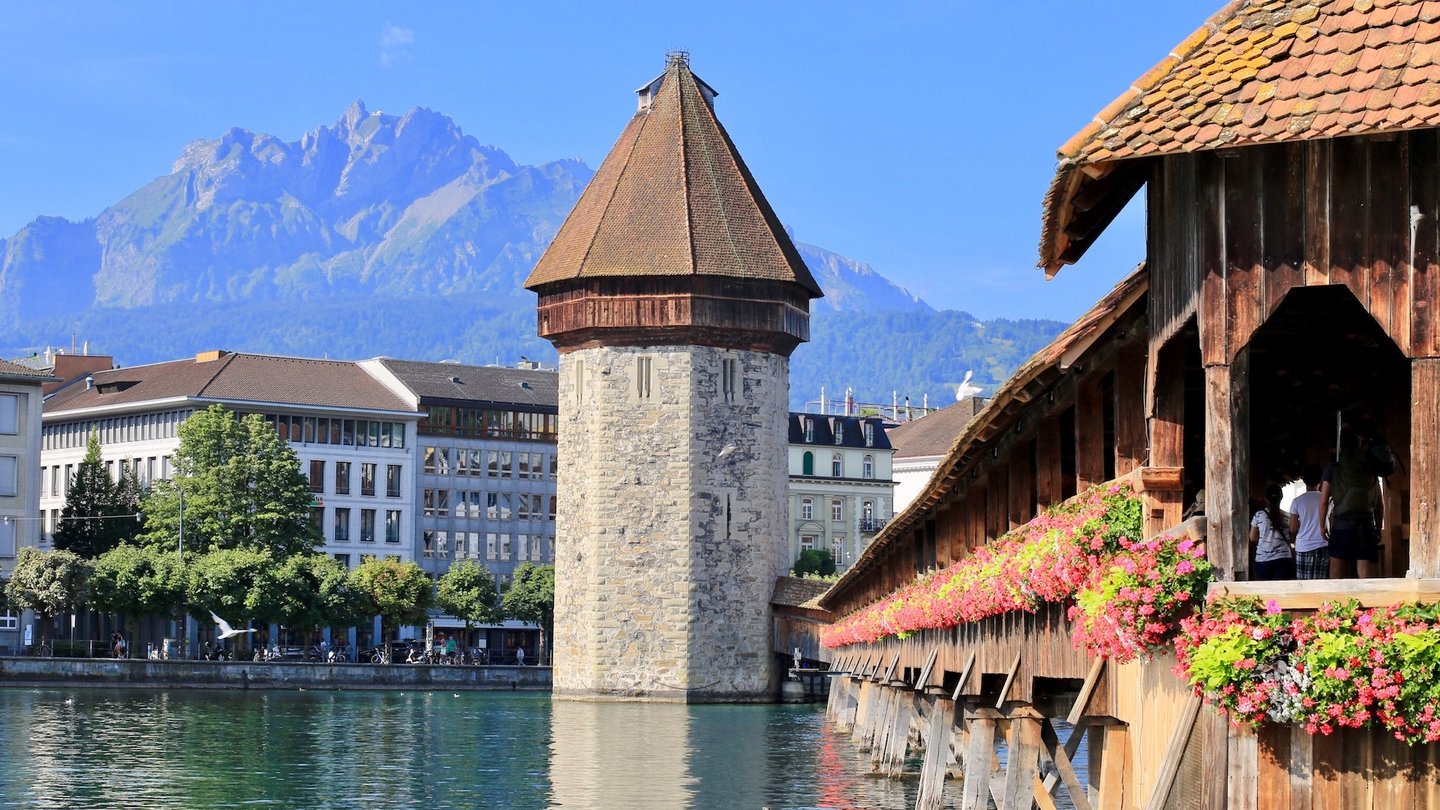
[872, 525]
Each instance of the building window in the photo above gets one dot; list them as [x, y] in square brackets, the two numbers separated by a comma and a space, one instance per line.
[392, 525]
[429, 502]
[643, 367]
[492, 505]
[524, 507]
[490, 543]
[55, 480]
[317, 475]
[554, 467]
[67, 478]
[492, 464]
[9, 467]
[442, 502]
[837, 551]
[430, 460]
[868, 510]
[839, 432]
[729, 376]
[809, 429]
[552, 509]
[342, 478]
[343, 559]
[869, 467]
[807, 542]
[837, 466]
[342, 525]
[807, 509]
[317, 518]
[7, 539]
[392, 480]
[869, 434]
[427, 542]
[367, 525]
[367, 479]
[837, 510]
[10, 414]
[807, 464]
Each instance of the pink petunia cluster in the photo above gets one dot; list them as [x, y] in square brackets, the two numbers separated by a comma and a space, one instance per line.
[1129, 608]
[1048, 560]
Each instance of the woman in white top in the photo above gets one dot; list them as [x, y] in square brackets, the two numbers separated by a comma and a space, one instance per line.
[1273, 559]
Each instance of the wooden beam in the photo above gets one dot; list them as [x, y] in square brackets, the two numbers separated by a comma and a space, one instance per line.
[1170, 765]
[1009, 682]
[1089, 432]
[1130, 406]
[975, 790]
[1114, 768]
[1242, 781]
[1021, 762]
[930, 794]
[1424, 468]
[1227, 467]
[1082, 700]
[1047, 454]
[1064, 770]
[964, 676]
[1312, 594]
[1161, 479]
[925, 671]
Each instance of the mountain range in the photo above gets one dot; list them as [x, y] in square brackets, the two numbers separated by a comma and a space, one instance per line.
[403, 236]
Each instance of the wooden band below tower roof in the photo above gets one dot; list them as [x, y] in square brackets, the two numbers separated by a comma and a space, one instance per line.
[694, 310]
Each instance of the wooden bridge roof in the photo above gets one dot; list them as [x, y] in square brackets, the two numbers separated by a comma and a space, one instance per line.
[673, 198]
[1258, 72]
[1025, 385]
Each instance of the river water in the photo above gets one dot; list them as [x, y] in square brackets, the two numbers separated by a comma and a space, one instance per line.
[313, 750]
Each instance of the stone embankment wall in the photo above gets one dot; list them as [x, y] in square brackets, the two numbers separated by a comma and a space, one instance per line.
[266, 675]
[667, 544]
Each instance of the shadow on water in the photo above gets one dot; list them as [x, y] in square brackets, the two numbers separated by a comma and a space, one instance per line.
[434, 750]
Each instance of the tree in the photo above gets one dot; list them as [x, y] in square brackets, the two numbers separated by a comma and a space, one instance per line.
[813, 562]
[99, 513]
[467, 591]
[308, 592]
[531, 597]
[138, 581]
[399, 593]
[240, 487]
[232, 583]
[49, 583]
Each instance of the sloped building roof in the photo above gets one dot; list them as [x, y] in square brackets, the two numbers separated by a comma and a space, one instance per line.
[453, 382]
[13, 370]
[234, 378]
[852, 430]
[673, 198]
[934, 433]
[1258, 72]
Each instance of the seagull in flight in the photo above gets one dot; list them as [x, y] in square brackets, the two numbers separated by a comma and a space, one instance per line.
[226, 631]
[725, 451]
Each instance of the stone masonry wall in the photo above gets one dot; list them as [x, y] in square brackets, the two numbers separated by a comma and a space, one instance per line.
[667, 550]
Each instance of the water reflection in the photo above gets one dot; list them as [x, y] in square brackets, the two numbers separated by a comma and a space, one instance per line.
[319, 750]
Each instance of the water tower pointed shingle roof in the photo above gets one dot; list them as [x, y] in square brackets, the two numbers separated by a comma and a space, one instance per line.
[673, 198]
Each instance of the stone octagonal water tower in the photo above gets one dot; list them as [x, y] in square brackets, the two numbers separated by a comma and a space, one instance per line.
[675, 298]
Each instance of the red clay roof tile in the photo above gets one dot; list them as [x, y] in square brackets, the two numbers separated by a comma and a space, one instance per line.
[1259, 72]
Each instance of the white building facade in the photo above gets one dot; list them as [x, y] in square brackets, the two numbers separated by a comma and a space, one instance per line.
[20, 525]
[842, 489]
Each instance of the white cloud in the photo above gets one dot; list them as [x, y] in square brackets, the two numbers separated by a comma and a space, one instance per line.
[395, 43]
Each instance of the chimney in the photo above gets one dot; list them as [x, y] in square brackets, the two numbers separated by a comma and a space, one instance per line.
[210, 356]
[89, 381]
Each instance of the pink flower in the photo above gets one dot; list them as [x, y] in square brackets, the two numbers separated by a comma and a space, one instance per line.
[1272, 607]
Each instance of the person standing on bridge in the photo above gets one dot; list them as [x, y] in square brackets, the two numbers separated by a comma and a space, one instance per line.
[1307, 529]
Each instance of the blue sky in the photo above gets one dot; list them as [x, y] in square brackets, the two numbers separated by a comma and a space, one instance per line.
[918, 137]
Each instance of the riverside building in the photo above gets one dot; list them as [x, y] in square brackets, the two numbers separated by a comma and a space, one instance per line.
[841, 489]
[20, 398]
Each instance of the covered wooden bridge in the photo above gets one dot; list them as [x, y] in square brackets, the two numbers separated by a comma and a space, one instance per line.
[1291, 164]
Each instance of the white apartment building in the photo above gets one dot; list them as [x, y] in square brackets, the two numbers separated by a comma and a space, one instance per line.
[20, 402]
[354, 438]
[922, 443]
[841, 486]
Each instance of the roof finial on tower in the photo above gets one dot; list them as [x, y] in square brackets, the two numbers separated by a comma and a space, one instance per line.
[680, 56]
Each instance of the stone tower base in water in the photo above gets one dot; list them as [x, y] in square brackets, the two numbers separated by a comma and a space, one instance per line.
[671, 523]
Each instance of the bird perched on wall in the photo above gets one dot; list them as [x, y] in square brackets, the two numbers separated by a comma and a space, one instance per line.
[226, 631]
[966, 389]
[725, 451]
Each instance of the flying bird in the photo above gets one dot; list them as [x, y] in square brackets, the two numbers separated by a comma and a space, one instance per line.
[966, 390]
[226, 631]
[725, 451]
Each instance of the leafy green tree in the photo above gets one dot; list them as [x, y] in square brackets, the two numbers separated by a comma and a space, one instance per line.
[308, 592]
[49, 583]
[240, 486]
[399, 593]
[232, 583]
[99, 513]
[812, 562]
[531, 597]
[137, 581]
[467, 591]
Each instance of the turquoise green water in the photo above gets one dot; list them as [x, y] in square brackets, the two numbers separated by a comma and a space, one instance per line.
[191, 749]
